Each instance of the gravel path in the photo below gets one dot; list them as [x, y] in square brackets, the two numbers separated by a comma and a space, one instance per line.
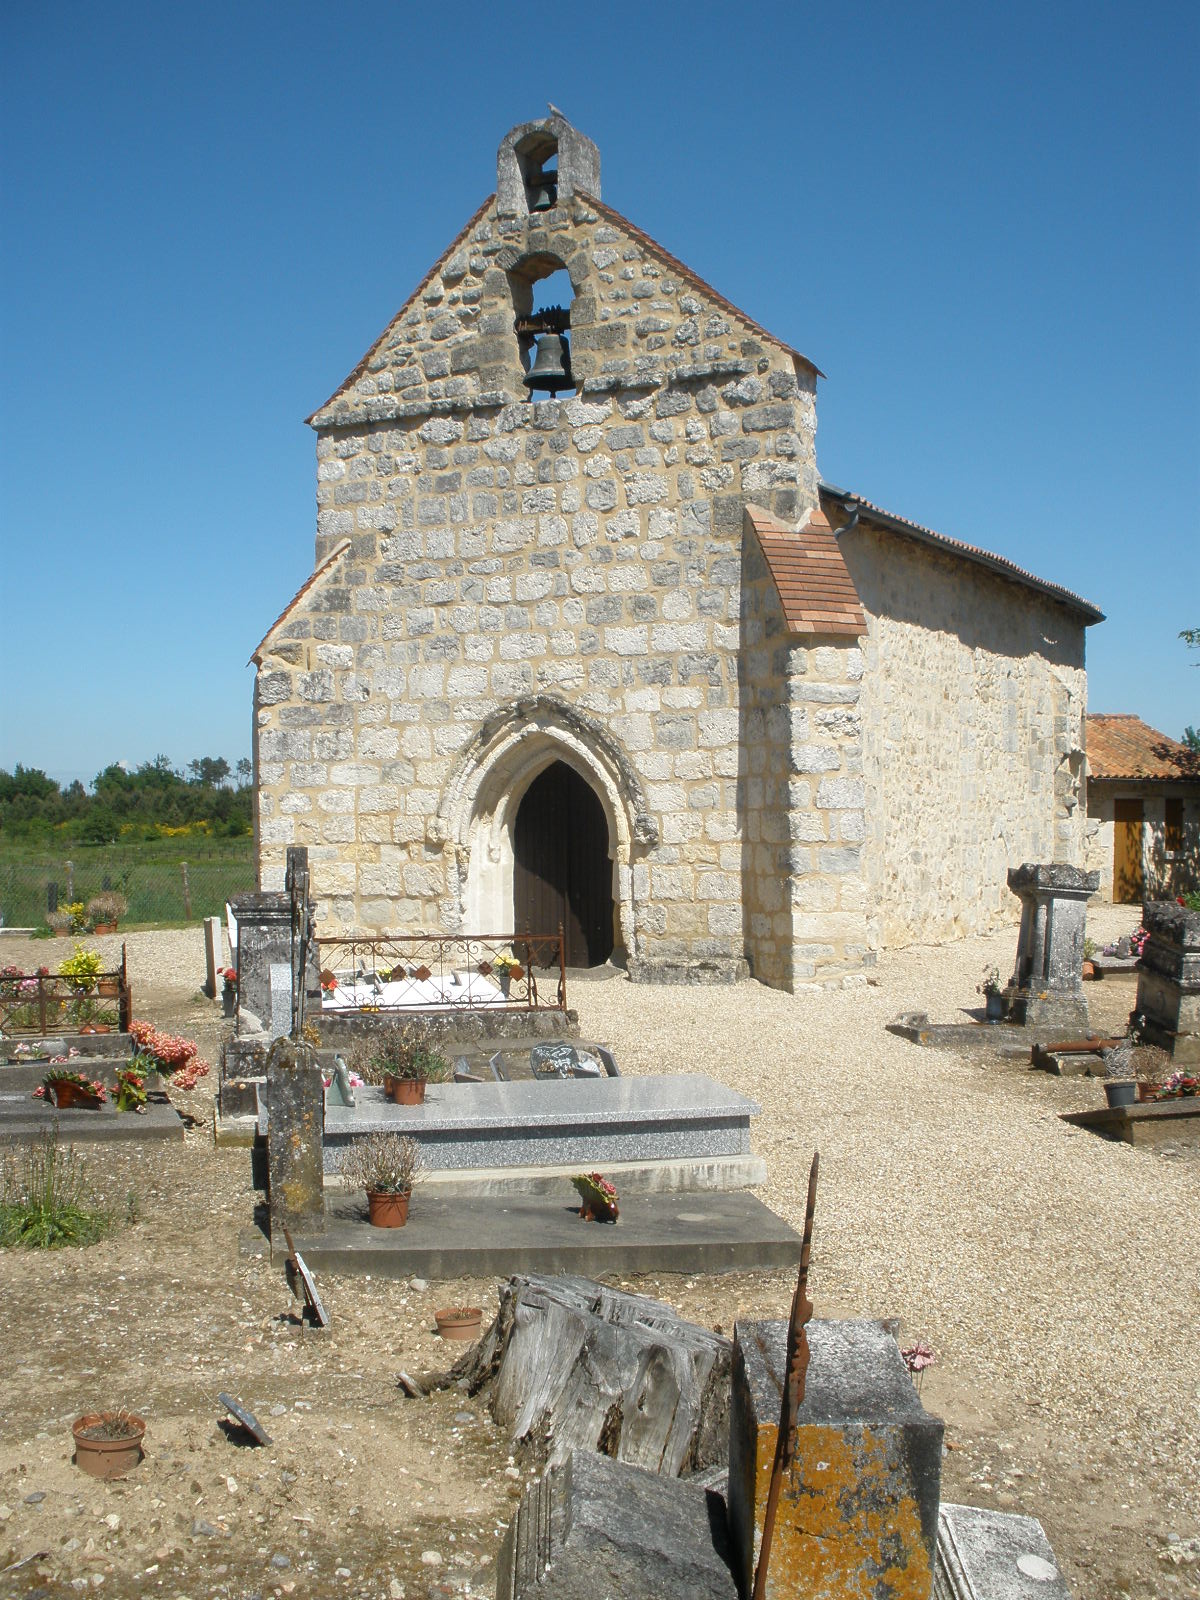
[1056, 1275]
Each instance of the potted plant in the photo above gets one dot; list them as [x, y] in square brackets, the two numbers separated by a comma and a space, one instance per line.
[1089, 964]
[507, 968]
[459, 1322]
[64, 1086]
[81, 970]
[598, 1198]
[228, 991]
[108, 1443]
[386, 1165]
[105, 910]
[407, 1062]
[993, 997]
[60, 923]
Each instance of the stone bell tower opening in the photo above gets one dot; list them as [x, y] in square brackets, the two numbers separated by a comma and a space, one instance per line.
[562, 866]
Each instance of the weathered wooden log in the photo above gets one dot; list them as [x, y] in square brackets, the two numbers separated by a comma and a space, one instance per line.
[574, 1365]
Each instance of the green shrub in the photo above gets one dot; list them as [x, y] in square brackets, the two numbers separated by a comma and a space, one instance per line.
[46, 1200]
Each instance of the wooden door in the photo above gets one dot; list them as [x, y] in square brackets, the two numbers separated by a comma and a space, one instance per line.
[562, 872]
[1127, 851]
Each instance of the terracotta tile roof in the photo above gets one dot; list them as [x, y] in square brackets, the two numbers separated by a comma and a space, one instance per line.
[459, 240]
[815, 590]
[696, 281]
[1008, 569]
[1120, 745]
[314, 578]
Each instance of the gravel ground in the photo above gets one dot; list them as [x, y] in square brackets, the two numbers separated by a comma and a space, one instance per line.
[1055, 1274]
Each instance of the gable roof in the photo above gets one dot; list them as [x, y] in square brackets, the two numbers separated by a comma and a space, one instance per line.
[318, 572]
[814, 586]
[891, 523]
[696, 281]
[352, 377]
[316, 417]
[1121, 745]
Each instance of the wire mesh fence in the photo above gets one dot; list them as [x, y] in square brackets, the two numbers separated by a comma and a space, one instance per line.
[157, 889]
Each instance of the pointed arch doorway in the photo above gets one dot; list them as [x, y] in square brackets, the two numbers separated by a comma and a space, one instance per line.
[562, 870]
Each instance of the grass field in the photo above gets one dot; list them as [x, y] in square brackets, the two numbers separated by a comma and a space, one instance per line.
[149, 873]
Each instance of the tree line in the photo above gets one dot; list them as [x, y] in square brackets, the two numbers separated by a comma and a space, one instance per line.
[136, 803]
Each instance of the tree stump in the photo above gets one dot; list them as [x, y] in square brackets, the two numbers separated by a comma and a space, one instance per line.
[573, 1365]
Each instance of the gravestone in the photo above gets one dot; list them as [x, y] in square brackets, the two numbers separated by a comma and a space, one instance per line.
[214, 951]
[295, 1092]
[1047, 983]
[279, 1018]
[857, 1518]
[340, 1092]
[994, 1553]
[1168, 994]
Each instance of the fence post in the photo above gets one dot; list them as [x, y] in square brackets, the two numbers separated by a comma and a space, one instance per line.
[52, 896]
[70, 882]
[187, 894]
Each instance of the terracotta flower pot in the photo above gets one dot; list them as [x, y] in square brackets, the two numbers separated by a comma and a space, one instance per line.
[104, 927]
[459, 1322]
[108, 1458]
[1147, 1091]
[110, 988]
[598, 1211]
[388, 1210]
[405, 1091]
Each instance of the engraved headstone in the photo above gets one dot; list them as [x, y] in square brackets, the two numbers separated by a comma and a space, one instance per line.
[1047, 983]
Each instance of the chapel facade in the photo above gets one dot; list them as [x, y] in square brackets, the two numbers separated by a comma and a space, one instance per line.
[588, 640]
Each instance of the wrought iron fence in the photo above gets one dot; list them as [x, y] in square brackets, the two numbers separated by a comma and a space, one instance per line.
[424, 972]
[38, 1003]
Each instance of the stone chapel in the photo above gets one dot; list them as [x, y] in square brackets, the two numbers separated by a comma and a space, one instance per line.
[589, 641]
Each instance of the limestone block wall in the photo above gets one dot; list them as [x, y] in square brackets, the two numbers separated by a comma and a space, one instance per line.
[511, 582]
[973, 698]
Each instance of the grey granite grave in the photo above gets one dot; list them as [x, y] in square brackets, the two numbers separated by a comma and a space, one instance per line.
[1168, 994]
[580, 1122]
[1047, 983]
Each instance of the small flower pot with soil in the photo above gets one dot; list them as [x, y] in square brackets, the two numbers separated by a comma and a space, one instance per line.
[386, 1165]
[108, 1444]
[597, 1198]
[1120, 1092]
[404, 1091]
[109, 988]
[459, 1322]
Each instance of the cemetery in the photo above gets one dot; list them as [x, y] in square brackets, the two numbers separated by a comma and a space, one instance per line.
[605, 1185]
[1013, 1472]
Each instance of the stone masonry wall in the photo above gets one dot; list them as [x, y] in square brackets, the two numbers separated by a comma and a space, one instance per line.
[1164, 875]
[583, 552]
[973, 698]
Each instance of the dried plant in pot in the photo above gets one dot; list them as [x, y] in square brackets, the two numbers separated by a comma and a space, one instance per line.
[402, 1055]
[386, 1165]
[105, 910]
[459, 1322]
[108, 1444]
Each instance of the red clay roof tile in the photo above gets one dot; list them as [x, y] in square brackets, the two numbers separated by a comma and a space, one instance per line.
[1120, 745]
[815, 590]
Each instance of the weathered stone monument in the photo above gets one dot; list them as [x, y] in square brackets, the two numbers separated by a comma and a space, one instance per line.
[295, 1091]
[1168, 994]
[859, 1506]
[1047, 982]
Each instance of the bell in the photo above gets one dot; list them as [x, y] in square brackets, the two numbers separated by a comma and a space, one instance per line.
[543, 193]
[551, 367]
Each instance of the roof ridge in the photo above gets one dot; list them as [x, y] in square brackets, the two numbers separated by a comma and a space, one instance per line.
[437, 266]
[696, 280]
[314, 576]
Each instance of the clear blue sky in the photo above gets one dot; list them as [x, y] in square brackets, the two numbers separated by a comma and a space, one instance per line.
[983, 222]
